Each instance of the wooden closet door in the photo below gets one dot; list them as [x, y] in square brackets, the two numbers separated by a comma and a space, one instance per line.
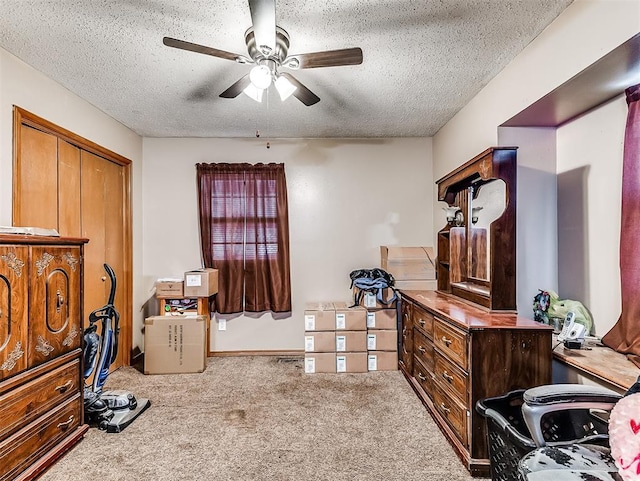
[103, 225]
[69, 221]
[36, 180]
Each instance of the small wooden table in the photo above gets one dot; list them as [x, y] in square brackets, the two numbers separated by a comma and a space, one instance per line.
[600, 362]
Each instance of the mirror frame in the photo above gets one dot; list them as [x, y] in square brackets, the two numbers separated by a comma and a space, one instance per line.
[456, 189]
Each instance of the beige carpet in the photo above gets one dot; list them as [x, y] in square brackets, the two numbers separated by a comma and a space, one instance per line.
[263, 418]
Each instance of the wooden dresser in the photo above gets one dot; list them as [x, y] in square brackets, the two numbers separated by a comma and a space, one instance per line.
[454, 354]
[41, 381]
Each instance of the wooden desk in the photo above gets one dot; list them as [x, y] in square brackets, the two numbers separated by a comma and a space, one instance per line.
[600, 362]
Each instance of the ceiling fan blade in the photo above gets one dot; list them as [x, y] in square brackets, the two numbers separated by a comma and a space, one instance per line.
[237, 88]
[328, 58]
[214, 52]
[302, 93]
[263, 17]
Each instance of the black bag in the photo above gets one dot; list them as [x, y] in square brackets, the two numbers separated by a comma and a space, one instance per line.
[372, 281]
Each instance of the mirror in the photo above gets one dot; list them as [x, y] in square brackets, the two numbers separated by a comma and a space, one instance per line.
[488, 202]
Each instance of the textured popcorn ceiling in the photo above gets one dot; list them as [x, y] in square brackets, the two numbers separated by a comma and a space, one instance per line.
[423, 61]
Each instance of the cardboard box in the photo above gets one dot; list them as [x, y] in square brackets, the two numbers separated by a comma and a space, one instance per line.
[369, 300]
[382, 360]
[382, 340]
[319, 341]
[349, 318]
[169, 289]
[351, 341]
[175, 344]
[319, 362]
[423, 285]
[408, 263]
[382, 319]
[200, 282]
[319, 316]
[351, 362]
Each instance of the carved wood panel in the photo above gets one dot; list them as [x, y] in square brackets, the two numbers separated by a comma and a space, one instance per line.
[14, 276]
[55, 304]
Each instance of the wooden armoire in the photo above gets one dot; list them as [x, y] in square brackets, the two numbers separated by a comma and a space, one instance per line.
[41, 379]
[65, 182]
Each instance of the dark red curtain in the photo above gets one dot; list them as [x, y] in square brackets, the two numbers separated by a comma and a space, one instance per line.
[244, 228]
[624, 336]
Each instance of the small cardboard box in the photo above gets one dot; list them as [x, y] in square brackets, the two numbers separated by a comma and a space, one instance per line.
[351, 341]
[320, 362]
[169, 289]
[382, 360]
[369, 300]
[382, 319]
[349, 318]
[408, 263]
[351, 362]
[174, 344]
[319, 316]
[382, 340]
[319, 341]
[201, 282]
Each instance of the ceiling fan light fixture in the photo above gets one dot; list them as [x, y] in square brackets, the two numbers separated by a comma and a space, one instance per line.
[253, 92]
[284, 87]
[260, 76]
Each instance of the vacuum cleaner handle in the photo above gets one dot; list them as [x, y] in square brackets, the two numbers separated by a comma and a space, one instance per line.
[112, 278]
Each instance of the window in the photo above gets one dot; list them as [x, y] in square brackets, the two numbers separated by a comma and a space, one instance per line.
[245, 235]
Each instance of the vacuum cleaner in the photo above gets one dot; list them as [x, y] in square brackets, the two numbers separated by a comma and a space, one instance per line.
[111, 411]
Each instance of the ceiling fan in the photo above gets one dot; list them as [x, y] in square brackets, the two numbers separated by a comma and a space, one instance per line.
[268, 48]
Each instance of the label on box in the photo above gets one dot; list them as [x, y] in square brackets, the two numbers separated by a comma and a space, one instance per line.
[309, 342]
[371, 342]
[193, 280]
[372, 362]
[341, 343]
[341, 321]
[371, 320]
[341, 363]
[310, 322]
[310, 365]
[369, 299]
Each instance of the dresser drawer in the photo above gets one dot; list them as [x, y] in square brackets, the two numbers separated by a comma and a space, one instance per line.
[423, 376]
[30, 443]
[423, 321]
[452, 342]
[423, 349]
[454, 414]
[451, 378]
[31, 400]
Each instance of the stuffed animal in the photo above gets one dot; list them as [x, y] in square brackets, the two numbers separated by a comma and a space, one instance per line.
[624, 434]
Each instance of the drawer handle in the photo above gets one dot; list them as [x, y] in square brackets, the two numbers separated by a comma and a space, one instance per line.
[447, 341]
[422, 323]
[421, 377]
[447, 376]
[65, 386]
[63, 426]
[422, 349]
[445, 408]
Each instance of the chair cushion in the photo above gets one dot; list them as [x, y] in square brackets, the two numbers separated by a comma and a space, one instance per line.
[569, 463]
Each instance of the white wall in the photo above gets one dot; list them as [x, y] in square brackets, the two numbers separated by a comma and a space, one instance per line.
[592, 147]
[346, 198]
[566, 47]
[25, 87]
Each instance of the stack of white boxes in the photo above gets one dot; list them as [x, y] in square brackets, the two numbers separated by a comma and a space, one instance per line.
[335, 338]
[382, 334]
